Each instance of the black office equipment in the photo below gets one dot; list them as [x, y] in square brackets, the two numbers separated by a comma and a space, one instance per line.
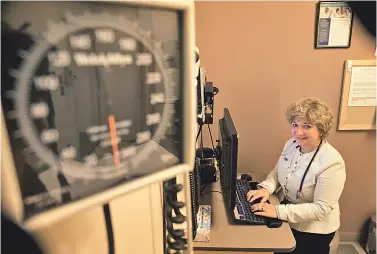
[243, 213]
[207, 170]
[205, 153]
[228, 150]
[195, 195]
[246, 177]
[207, 174]
[234, 190]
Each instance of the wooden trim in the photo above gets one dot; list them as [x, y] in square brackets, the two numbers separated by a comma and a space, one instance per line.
[349, 237]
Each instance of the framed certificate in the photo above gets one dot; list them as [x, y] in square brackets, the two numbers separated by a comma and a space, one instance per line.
[333, 25]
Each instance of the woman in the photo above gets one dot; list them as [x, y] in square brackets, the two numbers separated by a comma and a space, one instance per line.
[311, 174]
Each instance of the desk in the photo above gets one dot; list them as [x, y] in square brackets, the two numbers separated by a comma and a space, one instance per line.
[228, 237]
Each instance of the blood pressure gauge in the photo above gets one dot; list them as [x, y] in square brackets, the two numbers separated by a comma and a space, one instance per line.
[119, 117]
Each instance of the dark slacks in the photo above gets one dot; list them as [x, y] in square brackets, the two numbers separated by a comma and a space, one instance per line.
[310, 243]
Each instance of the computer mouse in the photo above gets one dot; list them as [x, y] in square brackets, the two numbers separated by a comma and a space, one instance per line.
[246, 177]
[274, 223]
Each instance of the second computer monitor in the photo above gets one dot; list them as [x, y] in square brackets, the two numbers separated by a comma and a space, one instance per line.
[228, 156]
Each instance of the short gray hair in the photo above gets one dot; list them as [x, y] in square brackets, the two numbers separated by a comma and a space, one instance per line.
[313, 110]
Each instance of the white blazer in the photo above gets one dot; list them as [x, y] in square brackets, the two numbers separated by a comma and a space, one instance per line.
[317, 209]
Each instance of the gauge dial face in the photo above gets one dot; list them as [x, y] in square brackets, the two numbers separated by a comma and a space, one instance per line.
[91, 97]
[94, 96]
[132, 89]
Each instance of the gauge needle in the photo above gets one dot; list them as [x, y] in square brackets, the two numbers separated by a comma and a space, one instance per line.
[114, 141]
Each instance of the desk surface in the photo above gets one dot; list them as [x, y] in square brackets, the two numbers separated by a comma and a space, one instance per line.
[227, 237]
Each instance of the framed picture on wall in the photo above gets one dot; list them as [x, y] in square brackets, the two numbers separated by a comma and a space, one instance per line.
[333, 25]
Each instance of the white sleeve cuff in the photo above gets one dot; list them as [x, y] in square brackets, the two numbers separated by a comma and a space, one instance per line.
[261, 185]
[281, 212]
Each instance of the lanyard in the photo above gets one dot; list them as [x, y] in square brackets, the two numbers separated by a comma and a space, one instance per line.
[299, 193]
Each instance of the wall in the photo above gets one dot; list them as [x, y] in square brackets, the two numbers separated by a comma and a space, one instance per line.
[261, 55]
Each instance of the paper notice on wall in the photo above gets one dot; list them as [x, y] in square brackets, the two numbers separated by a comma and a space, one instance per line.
[362, 87]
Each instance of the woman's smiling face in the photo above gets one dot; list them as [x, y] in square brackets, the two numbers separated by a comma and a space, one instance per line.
[305, 134]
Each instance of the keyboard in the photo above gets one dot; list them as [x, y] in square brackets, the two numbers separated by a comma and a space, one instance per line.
[243, 213]
[244, 206]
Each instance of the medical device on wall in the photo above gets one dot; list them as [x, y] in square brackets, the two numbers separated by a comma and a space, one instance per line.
[205, 93]
[91, 106]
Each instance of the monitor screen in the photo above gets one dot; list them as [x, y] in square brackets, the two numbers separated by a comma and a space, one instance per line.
[92, 96]
[228, 153]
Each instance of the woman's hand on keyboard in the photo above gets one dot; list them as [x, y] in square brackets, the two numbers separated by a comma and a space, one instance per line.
[266, 210]
[262, 193]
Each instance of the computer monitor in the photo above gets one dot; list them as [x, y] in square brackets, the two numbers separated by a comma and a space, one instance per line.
[228, 153]
[98, 99]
